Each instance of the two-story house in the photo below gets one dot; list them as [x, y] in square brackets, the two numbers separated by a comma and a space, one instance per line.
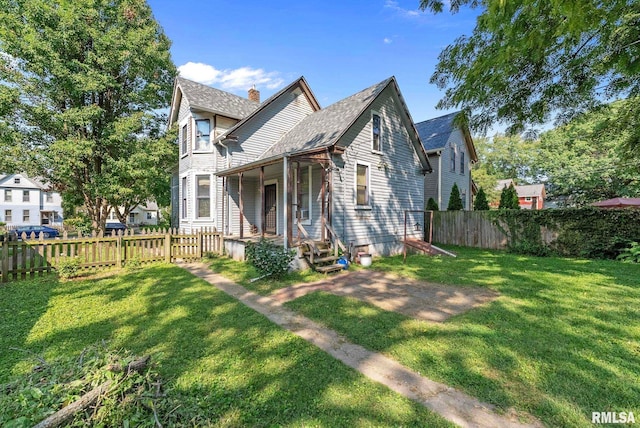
[451, 153]
[27, 201]
[288, 167]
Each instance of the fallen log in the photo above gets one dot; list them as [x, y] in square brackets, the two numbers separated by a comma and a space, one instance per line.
[67, 412]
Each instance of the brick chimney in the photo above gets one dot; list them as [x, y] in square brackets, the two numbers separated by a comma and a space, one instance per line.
[254, 94]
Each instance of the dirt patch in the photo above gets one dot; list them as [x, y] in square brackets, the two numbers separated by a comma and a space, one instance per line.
[417, 299]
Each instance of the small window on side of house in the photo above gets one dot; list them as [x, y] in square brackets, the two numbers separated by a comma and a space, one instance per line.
[26, 215]
[185, 139]
[149, 217]
[8, 216]
[362, 185]
[25, 196]
[48, 197]
[7, 195]
[203, 183]
[184, 197]
[462, 163]
[452, 155]
[376, 133]
[16, 180]
[528, 198]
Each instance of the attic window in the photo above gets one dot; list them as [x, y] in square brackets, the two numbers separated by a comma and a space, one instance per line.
[376, 140]
[452, 159]
[16, 180]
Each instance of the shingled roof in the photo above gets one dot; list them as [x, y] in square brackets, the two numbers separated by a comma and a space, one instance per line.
[435, 133]
[214, 100]
[323, 128]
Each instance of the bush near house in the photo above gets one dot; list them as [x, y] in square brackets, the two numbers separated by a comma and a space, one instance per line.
[455, 201]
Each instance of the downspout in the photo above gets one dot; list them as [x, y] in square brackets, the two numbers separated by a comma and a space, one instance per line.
[285, 181]
[440, 180]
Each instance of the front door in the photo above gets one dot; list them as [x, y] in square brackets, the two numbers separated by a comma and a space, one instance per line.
[270, 208]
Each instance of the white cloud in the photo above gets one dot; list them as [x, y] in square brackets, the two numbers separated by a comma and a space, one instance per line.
[408, 13]
[241, 78]
[387, 41]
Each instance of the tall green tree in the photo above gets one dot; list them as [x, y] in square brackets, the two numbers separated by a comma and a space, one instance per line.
[509, 198]
[455, 201]
[528, 62]
[432, 205]
[481, 203]
[90, 77]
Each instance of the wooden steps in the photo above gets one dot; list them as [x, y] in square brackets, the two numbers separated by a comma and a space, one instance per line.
[329, 268]
[321, 256]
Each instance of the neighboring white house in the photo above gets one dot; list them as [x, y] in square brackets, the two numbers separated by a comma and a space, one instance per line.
[142, 215]
[288, 167]
[27, 201]
[451, 153]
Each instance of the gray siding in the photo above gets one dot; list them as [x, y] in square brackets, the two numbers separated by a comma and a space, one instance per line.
[431, 180]
[396, 182]
[267, 127]
[449, 177]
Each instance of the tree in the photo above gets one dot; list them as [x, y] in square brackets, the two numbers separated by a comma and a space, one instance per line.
[481, 203]
[432, 205]
[583, 162]
[455, 202]
[531, 61]
[509, 198]
[89, 78]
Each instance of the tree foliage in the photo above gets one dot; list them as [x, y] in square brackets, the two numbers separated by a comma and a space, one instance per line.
[509, 198]
[432, 205]
[89, 78]
[455, 201]
[481, 203]
[528, 62]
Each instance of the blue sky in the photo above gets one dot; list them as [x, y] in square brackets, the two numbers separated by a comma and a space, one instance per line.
[340, 47]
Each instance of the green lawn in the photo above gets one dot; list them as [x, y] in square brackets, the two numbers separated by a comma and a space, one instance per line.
[562, 340]
[224, 363]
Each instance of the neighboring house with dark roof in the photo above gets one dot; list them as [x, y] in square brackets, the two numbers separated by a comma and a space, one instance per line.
[26, 201]
[451, 153]
[287, 167]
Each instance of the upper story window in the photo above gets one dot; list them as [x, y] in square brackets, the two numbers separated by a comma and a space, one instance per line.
[203, 131]
[8, 216]
[302, 195]
[7, 195]
[452, 155]
[376, 133]
[48, 197]
[462, 163]
[25, 196]
[362, 185]
[184, 139]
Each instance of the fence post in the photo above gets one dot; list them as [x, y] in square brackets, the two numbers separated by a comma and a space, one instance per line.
[167, 247]
[119, 251]
[5, 259]
[199, 243]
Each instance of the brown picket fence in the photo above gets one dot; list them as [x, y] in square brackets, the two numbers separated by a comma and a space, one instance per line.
[35, 256]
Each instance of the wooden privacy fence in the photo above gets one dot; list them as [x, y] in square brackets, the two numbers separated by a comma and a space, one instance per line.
[36, 256]
[468, 229]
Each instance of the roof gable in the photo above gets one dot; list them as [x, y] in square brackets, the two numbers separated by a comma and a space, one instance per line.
[435, 133]
[25, 182]
[203, 97]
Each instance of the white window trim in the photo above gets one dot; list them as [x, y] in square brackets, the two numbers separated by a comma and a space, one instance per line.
[355, 186]
[527, 198]
[184, 122]
[184, 212]
[194, 189]
[195, 131]
[381, 151]
[295, 195]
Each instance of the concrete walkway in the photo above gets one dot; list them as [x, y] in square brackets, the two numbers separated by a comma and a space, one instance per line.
[450, 403]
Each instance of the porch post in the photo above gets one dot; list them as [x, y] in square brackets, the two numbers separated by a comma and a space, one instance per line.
[241, 205]
[289, 221]
[223, 197]
[262, 201]
[285, 178]
[323, 195]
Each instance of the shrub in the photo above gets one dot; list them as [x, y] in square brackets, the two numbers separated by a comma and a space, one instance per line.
[268, 258]
[455, 201]
[631, 254]
[509, 198]
[68, 267]
[133, 263]
[481, 203]
[82, 224]
[432, 205]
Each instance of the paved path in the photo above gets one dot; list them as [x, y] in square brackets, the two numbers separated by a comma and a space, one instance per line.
[450, 403]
